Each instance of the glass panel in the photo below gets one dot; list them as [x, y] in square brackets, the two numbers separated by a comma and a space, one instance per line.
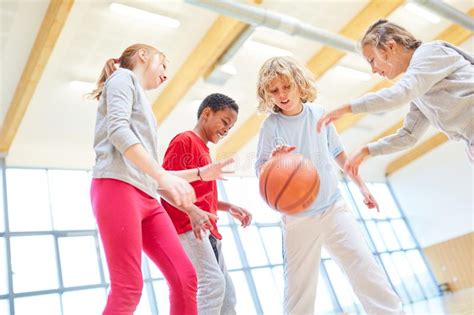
[229, 249]
[267, 291]
[34, 263]
[395, 278]
[324, 253]
[162, 293]
[347, 196]
[143, 307]
[2, 200]
[84, 302]
[155, 272]
[323, 303]
[253, 246]
[79, 262]
[278, 276]
[341, 286]
[368, 240]
[374, 233]
[70, 201]
[224, 218]
[105, 267]
[40, 304]
[422, 272]
[246, 192]
[3, 267]
[272, 240]
[4, 307]
[403, 234]
[245, 303]
[407, 275]
[385, 199]
[28, 200]
[389, 237]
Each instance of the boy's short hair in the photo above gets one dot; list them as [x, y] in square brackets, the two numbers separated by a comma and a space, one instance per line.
[217, 102]
[288, 69]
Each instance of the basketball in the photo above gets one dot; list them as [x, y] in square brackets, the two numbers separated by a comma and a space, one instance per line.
[289, 183]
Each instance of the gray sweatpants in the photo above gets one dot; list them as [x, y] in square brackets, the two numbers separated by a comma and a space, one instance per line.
[216, 293]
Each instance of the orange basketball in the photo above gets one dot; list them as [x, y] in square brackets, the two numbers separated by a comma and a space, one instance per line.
[289, 183]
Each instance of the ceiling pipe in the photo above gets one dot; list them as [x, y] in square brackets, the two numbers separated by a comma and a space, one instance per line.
[257, 16]
[448, 12]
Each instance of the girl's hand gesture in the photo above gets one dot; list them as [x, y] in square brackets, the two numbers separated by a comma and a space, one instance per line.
[201, 221]
[333, 115]
[369, 200]
[241, 214]
[282, 149]
[352, 164]
[177, 189]
[215, 170]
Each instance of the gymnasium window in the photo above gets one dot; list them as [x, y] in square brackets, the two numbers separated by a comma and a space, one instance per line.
[53, 248]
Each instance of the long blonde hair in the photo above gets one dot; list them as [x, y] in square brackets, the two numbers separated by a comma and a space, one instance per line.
[127, 60]
[380, 32]
[288, 69]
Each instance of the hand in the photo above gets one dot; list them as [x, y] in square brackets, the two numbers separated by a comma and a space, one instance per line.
[241, 214]
[369, 200]
[282, 149]
[201, 221]
[351, 167]
[213, 171]
[177, 189]
[331, 116]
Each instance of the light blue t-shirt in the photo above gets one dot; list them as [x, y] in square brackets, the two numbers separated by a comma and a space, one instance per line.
[320, 148]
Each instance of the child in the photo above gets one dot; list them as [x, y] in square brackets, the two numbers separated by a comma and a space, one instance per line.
[126, 177]
[216, 115]
[286, 90]
[437, 81]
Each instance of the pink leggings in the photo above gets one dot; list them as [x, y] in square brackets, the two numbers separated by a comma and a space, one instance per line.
[128, 221]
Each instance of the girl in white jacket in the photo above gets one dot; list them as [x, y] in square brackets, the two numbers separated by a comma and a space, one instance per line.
[437, 81]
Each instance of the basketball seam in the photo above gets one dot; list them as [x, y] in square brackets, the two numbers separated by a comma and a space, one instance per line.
[305, 196]
[286, 184]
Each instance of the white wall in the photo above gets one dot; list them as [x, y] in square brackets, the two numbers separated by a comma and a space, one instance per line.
[436, 193]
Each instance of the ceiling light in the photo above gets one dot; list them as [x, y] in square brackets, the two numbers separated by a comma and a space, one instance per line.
[143, 15]
[422, 12]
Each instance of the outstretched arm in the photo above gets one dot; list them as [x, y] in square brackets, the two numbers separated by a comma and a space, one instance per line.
[413, 128]
[369, 200]
[244, 216]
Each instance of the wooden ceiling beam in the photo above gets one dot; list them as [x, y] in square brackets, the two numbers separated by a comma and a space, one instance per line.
[46, 39]
[220, 37]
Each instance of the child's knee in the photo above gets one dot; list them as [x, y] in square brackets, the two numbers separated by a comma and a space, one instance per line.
[127, 295]
[218, 285]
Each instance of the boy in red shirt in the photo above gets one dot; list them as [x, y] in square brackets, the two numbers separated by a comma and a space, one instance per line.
[216, 115]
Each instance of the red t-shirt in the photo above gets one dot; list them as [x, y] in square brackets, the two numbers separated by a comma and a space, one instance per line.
[186, 151]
